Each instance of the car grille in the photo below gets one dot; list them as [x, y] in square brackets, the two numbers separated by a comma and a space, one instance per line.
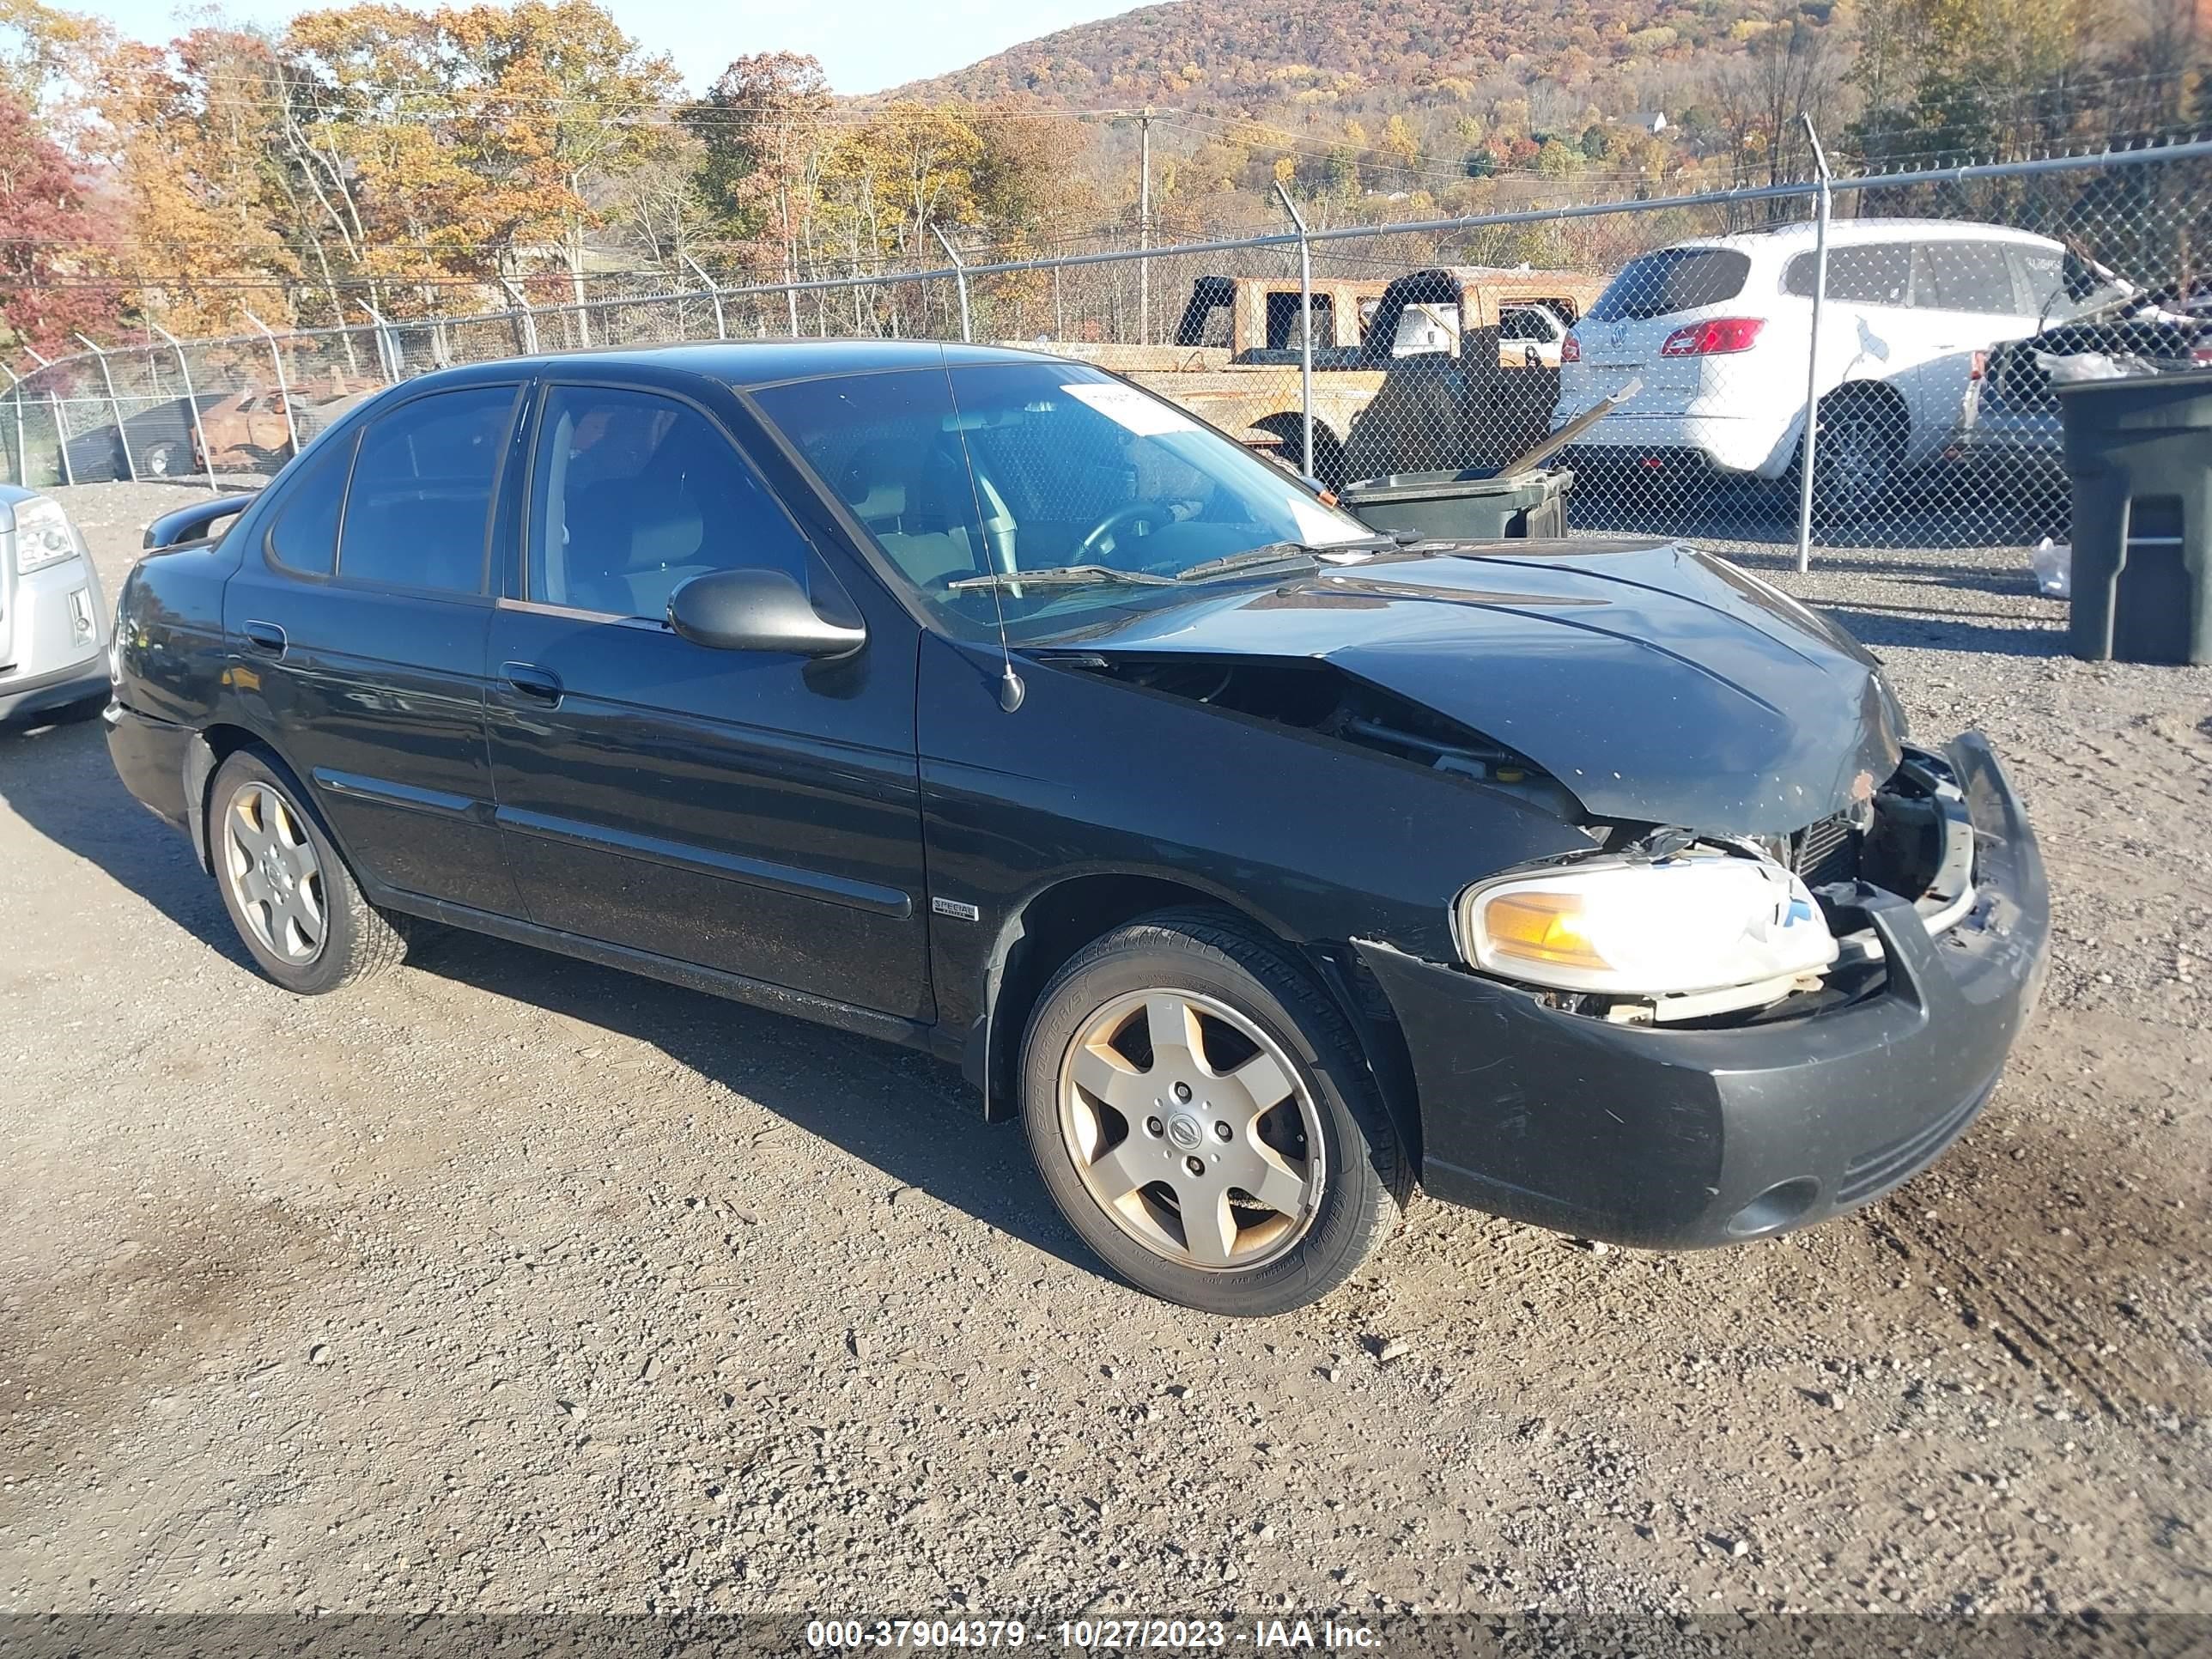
[1826, 851]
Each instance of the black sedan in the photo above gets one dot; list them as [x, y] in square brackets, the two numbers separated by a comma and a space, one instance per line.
[981, 701]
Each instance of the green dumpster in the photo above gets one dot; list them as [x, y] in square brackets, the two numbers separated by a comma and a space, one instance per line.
[1472, 506]
[2139, 452]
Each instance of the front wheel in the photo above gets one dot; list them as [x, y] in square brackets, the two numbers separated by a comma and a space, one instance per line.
[1203, 1117]
[295, 903]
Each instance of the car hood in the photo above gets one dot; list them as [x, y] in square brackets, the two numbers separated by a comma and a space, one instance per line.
[1657, 683]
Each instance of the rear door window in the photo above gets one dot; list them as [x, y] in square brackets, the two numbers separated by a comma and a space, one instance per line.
[419, 510]
[1879, 274]
[1972, 277]
[1674, 279]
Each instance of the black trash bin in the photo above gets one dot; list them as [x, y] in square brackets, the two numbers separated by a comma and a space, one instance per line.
[2139, 452]
[1471, 505]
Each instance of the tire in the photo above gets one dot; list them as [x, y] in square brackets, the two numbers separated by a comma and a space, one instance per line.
[161, 461]
[295, 904]
[1328, 453]
[1859, 457]
[1263, 1029]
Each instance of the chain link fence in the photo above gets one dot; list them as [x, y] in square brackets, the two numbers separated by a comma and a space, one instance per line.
[1946, 302]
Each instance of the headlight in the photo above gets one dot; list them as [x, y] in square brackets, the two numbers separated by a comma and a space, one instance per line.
[43, 535]
[1699, 920]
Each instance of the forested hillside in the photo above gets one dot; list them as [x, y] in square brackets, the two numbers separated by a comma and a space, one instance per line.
[1239, 54]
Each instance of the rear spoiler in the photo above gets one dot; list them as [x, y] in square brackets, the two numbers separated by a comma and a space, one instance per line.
[190, 524]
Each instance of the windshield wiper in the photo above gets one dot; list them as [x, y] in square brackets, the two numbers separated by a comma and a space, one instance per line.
[1279, 553]
[1059, 575]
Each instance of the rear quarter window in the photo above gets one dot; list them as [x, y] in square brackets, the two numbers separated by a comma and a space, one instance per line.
[1674, 279]
[303, 537]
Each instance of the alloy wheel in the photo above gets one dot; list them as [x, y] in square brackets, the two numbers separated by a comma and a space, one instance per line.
[1191, 1130]
[274, 874]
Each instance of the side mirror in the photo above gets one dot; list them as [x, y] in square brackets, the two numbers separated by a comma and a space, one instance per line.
[757, 611]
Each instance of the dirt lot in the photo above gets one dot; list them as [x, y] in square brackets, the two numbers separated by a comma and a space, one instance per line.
[510, 1283]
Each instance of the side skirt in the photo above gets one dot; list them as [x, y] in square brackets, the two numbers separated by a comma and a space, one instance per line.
[758, 994]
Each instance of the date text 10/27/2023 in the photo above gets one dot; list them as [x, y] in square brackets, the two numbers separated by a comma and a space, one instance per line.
[1089, 1635]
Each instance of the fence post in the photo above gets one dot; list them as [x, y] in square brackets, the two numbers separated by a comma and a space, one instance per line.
[959, 275]
[114, 403]
[791, 289]
[1821, 208]
[22, 453]
[528, 317]
[722, 332]
[387, 344]
[192, 403]
[61, 436]
[284, 392]
[1305, 324]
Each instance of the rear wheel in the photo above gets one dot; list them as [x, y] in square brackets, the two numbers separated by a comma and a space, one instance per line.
[1858, 456]
[295, 903]
[162, 459]
[1203, 1117]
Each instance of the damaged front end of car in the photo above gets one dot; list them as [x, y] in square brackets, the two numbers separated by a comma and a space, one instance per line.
[1773, 962]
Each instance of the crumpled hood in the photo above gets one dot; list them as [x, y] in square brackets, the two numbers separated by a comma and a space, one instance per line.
[1655, 682]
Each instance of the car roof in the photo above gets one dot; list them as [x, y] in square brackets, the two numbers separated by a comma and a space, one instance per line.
[1846, 233]
[745, 364]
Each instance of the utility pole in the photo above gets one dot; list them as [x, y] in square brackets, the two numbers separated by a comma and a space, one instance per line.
[1144, 226]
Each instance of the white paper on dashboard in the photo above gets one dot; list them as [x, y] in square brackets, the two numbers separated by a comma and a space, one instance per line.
[1125, 406]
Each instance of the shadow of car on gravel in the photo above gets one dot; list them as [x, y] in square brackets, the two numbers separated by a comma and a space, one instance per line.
[1945, 630]
[58, 780]
[904, 1113]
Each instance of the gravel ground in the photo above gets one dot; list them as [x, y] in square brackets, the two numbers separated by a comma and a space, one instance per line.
[510, 1283]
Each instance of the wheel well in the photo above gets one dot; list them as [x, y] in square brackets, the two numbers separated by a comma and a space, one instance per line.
[1328, 450]
[215, 746]
[1063, 919]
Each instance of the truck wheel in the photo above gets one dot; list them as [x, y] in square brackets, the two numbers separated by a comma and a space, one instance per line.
[1202, 1114]
[161, 460]
[1328, 453]
[289, 894]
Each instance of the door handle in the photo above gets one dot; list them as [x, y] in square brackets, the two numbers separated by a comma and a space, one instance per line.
[541, 684]
[265, 636]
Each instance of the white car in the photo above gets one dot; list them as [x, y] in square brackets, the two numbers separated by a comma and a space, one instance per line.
[1530, 337]
[1719, 330]
[53, 622]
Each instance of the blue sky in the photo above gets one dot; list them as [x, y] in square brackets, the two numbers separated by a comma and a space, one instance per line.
[863, 45]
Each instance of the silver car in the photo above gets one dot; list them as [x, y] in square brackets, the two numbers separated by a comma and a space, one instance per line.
[53, 622]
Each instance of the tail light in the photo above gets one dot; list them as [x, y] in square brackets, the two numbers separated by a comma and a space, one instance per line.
[2200, 356]
[1571, 349]
[1976, 366]
[1714, 338]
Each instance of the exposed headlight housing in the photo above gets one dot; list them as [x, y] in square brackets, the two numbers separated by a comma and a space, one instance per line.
[1700, 920]
[43, 535]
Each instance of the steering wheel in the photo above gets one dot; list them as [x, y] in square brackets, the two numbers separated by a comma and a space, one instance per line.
[1152, 512]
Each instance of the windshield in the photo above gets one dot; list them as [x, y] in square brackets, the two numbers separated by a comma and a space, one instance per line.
[1674, 279]
[967, 478]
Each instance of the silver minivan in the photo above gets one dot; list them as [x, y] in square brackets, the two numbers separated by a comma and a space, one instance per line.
[53, 622]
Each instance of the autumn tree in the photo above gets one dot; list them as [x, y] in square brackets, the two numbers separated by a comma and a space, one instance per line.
[762, 129]
[50, 240]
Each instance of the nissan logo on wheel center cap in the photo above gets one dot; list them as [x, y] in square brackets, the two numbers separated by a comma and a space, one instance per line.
[1185, 1131]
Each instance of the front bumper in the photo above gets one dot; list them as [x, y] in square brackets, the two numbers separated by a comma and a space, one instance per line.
[53, 639]
[1682, 1138]
[151, 757]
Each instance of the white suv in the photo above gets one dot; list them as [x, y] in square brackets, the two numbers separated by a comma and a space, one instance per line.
[1718, 330]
